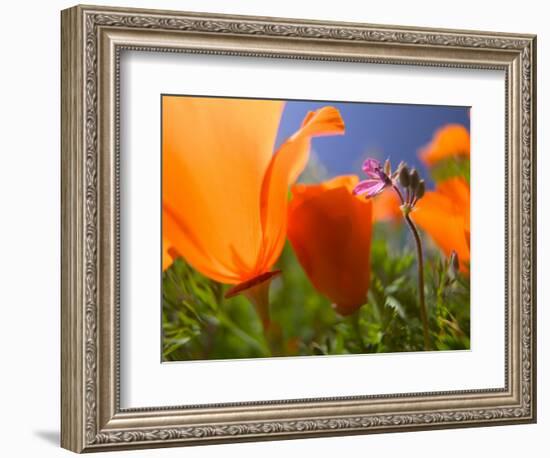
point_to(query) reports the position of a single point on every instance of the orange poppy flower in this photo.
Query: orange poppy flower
(452, 140)
(445, 215)
(330, 230)
(386, 207)
(224, 196)
(168, 254)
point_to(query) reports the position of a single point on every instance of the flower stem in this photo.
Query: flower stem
(398, 192)
(422, 302)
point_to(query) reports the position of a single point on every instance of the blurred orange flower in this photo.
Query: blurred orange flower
(386, 207)
(445, 215)
(168, 254)
(452, 140)
(330, 230)
(224, 196)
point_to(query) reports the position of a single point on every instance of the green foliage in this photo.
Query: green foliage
(451, 167)
(450, 317)
(198, 323)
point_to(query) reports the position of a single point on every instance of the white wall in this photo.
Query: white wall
(29, 245)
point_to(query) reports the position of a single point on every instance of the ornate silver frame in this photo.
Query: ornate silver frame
(92, 39)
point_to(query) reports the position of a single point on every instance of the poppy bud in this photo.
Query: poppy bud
(454, 265)
(454, 260)
(387, 167)
(330, 231)
(421, 189)
(414, 179)
(404, 178)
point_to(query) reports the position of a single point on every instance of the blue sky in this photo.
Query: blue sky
(375, 130)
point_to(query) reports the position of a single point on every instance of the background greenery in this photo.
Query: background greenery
(198, 323)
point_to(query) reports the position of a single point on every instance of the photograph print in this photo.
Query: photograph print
(311, 228)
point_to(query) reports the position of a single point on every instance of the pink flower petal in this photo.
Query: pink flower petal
(369, 187)
(372, 168)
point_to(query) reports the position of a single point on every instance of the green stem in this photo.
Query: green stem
(421, 299)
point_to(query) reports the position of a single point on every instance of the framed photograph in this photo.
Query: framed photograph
(279, 228)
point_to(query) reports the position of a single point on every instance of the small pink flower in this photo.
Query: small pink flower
(376, 182)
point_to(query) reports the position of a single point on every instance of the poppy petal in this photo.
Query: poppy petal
(330, 231)
(167, 258)
(215, 155)
(445, 215)
(387, 207)
(285, 167)
(451, 140)
(195, 251)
